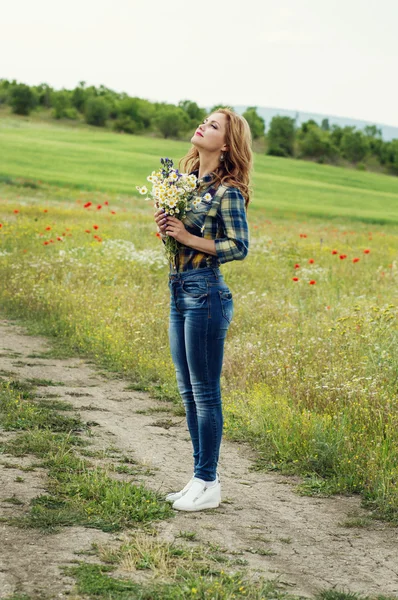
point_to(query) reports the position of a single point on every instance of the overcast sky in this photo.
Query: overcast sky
(338, 57)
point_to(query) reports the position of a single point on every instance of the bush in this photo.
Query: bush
(61, 104)
(171, 120)
(125, 124)
(256, 123)
(314, 142)
(22, 99)
(96, 111)
(354, 145)
(281, 136)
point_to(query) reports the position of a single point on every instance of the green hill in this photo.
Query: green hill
(96, 159)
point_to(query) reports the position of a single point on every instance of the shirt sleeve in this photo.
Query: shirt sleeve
(234, 245)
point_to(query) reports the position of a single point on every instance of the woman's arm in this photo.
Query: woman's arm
(176, 229)
(234, 245)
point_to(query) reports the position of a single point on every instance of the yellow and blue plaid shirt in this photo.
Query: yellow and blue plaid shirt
(222, 219)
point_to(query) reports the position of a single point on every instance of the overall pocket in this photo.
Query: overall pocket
(227, 304)
(195, 288)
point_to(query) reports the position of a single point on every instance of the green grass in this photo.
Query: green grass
(110, 162)
(78, 492)
(310, 371)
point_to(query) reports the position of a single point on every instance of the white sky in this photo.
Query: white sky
(337, 57)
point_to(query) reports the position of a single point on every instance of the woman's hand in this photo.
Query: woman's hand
(161, 220)
(176, 229)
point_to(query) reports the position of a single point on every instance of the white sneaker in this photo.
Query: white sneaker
(200, 497)
(177, 495)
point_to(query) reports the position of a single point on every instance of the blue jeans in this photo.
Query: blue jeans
(201, 310)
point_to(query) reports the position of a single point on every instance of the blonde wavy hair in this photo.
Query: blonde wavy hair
(235, 169)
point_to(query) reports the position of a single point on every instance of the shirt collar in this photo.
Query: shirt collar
(206, 179)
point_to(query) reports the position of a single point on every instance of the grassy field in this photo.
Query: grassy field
(311, 369)
(110, 162)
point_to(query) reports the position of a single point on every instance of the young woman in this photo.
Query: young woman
(201, 306)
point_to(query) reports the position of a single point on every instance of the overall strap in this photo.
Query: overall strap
(216, 200)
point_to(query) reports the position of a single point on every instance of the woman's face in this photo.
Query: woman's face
(210, 135)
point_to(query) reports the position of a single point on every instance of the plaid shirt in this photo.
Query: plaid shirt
(223, 221)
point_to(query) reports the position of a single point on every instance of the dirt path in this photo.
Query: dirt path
(309, 547)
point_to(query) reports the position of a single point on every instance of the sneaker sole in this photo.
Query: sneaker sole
(174, 498)
(201, 507)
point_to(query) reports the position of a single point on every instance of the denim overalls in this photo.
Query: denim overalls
(201, 309)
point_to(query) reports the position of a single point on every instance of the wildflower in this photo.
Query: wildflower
(296, 266)
(95, 226)
(16, 211)
(303, 235)
(87, 205)
(1, 225)
(87, 230)
(45, 243)
(343, 256)
(295, 278)
(311, 261)
(45, 210)
(113, 212)
(142, 190)
(59, 239)
(99, 206)
(312, 282)
(354, 260)
(106, 202)
(48, 228)
(334, 252)
(366, 251)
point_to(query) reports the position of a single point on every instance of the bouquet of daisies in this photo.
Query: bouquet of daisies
(174, 192)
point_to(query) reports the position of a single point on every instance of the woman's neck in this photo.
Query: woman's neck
(207, 164)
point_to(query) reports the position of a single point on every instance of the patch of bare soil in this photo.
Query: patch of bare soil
(298, 540)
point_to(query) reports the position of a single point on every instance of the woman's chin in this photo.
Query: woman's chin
(195, 139)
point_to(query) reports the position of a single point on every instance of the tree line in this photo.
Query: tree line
(103, 107)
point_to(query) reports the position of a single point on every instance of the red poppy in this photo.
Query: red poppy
(48, 228)
(99, 206)
(16, 210)
(51, 241)
(295, 278)
(297, 266)
(59, 239)
(366, 251)
(311, 261)
(45, 243)
(354, 260)
(303, 235)
(45, 210)
(328, 307)
(158, 235)
(87, 205)
(87, 230)
(1, 225)
(312, 282)
(106, 203)
(334, 252)
(95, 226)
(343, 256)
(113, 212)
